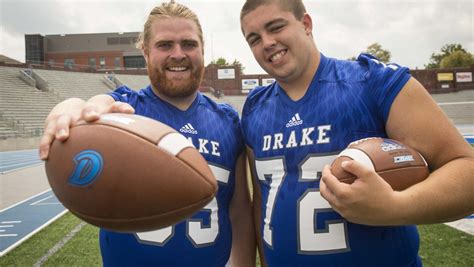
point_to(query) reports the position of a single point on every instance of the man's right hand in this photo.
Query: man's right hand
(67, 113)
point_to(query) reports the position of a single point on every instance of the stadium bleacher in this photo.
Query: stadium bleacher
(460, 113)
(237, 102)
(460, 96)
(74, 84)
(459, 106)
(24, 107)
(135, 82)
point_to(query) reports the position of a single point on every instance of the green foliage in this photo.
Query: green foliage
(220, 61)
(457, 59)
(224, 63)
(376, 50)
(446, 51)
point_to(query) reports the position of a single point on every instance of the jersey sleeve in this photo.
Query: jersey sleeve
(122, 94)
(384, 80)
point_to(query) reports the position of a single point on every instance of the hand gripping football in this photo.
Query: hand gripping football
(398, 164)
(129, 173)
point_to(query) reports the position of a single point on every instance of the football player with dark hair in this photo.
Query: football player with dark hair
(222, 232)
(295, 127)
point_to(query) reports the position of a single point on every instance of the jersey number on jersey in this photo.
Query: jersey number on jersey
(198, 235)
(310, 204)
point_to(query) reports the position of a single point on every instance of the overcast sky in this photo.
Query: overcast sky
(410, 30)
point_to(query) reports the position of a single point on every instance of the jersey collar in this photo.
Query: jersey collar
(149, 91)
(283, 96)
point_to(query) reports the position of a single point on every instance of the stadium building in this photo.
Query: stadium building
(83, 65)
(93, 51)
(116, 52)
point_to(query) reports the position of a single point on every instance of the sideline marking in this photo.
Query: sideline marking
(20, 168)
(8, 246)
(59, 245)
(37, 203)
(18, 203)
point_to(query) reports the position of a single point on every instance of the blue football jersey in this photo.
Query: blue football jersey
(293, 140)
(205, 238)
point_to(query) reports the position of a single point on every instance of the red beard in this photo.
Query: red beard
(172, 88)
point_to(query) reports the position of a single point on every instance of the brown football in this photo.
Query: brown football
(129, 173)
(398, 164)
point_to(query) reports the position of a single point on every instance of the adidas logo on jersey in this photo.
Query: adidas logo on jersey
(188, 128)
(295, 121)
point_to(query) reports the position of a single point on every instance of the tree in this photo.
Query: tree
(457, 59)
(239, 64)
(223, 63)
(376, 50)
(446, 50)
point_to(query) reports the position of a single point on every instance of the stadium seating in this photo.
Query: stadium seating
(237, 102)
(135, 82)
(459, 106)
(466, 95)
(24, 107)
(459, 113)
(74, 84)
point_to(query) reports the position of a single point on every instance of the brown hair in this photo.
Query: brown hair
(294, 6)
(167, 10)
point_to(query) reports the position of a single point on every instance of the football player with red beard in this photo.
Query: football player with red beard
(221, 232)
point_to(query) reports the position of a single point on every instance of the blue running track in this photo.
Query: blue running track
(14, 160)
(22, 220)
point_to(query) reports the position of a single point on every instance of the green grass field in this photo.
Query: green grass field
(441, 245)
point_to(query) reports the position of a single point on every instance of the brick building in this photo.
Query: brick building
(85, 51)
(100, 52)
